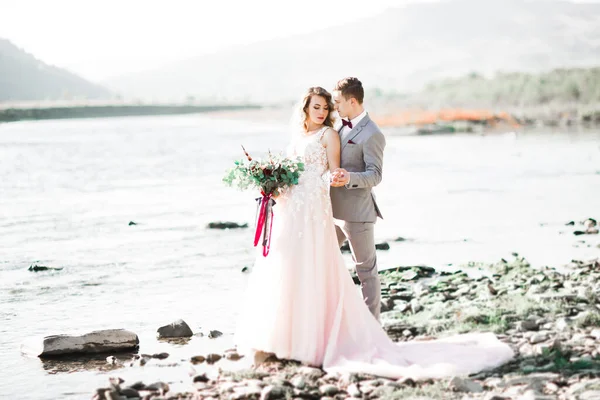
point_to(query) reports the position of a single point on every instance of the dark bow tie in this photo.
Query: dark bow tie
(346, 123)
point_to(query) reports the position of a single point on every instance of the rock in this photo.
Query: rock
(387, 304)
(213, 358)
(138, 361)
(382, 246)
(131, 223)
(539, 337)
(422, 271)
(354, 391)
(110, 394)
(528, 325)
(214, 334)
(562, 325)
(495, 396)
(299, 382)
(108, 340)
(158, 387)
(310, 372)
(464, 385)
(178, 328)
(389, 382)
(160, 356)
(248, 392)
(256, 382)
(112, 360)
(332, 377)
(261, 357)
(492, 382)
(201, 378)
(129, 393)
(138, 386)
(415, 306)
(383, 392)
(329, 390)
(492, 290)
(233, 356)
(275, 392)
(226, 225)
(551, 388)
(38, 268)
(100, 393)
(197, 359)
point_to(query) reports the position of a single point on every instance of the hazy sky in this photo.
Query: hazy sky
(100, 39)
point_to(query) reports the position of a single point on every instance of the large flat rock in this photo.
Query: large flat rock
(108, 340)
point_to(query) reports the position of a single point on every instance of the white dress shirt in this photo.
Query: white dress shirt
(346, 129)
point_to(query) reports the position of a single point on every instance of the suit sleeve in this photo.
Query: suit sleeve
(373, 156)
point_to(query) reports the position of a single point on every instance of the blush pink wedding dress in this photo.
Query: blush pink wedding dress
(302, 304)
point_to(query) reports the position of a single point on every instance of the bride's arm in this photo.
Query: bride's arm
(331, 141)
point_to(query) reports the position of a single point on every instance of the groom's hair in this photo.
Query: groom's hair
(351, 87)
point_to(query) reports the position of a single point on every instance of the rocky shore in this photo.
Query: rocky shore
(549, 316)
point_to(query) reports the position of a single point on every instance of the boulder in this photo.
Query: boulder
(175, 329)
(108, 340)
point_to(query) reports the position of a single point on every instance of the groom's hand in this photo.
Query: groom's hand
(340, 177)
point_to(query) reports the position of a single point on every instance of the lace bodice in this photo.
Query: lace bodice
(313, 184)
(312, 151)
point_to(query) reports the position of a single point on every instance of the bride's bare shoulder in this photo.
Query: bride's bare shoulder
(329, 136)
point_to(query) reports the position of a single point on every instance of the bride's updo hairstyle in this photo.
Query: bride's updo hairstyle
(317, 91)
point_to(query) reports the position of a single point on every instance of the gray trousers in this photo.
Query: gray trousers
(361, 236)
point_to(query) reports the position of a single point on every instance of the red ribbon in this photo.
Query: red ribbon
(266, 213)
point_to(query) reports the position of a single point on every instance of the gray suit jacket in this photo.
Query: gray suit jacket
(362, 156)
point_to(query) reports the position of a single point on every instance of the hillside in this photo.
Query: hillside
(400, 50)
(25, 78)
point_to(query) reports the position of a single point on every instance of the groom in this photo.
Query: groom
(354, 207)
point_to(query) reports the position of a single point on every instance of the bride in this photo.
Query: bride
(301, 302)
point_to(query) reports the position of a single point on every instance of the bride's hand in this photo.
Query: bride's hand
(339, 177)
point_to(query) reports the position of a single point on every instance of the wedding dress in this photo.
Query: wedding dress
(302, 304)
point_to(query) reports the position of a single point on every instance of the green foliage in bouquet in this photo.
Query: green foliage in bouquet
(269, 175)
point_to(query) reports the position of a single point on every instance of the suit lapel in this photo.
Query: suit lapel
(356, 130)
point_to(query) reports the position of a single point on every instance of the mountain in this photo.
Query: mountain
(398, 51)
(25, 78)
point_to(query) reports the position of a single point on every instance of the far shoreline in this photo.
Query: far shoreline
(409, 120)
(35, 112)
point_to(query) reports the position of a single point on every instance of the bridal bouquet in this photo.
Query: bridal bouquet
(270, 176)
